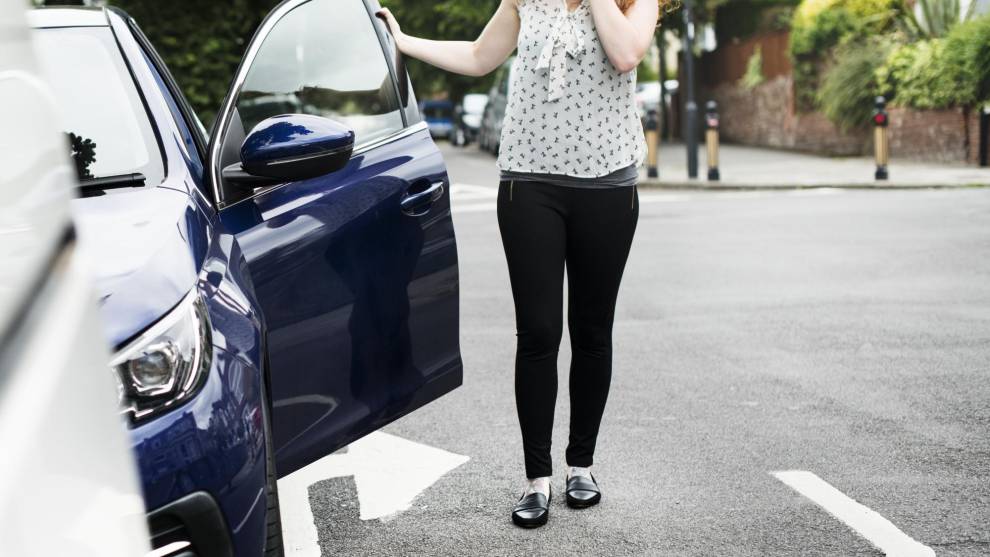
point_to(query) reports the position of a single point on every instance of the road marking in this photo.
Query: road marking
(389, 472)
(170, 549)
(865, 521)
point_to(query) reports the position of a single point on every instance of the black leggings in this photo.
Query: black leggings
(543, 227)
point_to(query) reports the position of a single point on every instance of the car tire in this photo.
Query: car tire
(273, 518)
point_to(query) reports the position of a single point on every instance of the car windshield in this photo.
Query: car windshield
(100, 109)
(437, 111)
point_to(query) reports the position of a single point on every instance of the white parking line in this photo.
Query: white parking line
(866, 522)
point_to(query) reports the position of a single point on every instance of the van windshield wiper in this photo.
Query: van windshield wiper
(94, 186)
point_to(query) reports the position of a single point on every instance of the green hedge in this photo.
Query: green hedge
(850, 85)
(819, 26)
(940, 73)
(909, 75)
(966, 61)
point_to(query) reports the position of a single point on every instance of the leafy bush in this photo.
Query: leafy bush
(935, 18)
(875, 16)
(940, 73)
(813, 35)
(849, 86)
(910, 75)
(966, 61)
(819, 26)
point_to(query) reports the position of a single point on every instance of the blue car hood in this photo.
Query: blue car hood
(144, 249)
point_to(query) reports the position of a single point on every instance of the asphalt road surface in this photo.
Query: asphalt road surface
(841, 333)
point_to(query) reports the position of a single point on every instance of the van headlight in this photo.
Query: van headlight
(166, 364)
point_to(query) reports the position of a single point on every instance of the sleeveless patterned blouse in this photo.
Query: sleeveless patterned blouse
(569, 112)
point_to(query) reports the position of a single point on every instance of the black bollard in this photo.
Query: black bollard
(881, 147)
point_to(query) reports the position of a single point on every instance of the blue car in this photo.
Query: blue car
(439, 117)
(274, 289)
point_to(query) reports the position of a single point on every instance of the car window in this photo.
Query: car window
(323, 58)
(102, 114)
(437, 111)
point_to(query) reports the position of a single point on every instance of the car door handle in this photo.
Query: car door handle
(418, 204)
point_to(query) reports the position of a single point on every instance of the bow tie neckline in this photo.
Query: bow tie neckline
(566, 38)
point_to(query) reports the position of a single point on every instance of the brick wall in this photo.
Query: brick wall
(765, 116)
(931, 135)
(973, 129)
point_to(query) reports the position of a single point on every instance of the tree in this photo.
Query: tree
(456, 20)
(201, 42)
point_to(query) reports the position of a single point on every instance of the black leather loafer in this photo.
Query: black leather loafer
(582, 492)
(532, 511)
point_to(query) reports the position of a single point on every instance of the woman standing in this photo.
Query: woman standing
(571, 146)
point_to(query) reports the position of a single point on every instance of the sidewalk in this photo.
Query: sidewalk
(744, 167)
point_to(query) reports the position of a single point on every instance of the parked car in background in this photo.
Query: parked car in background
(69, 484)
(490, 133)
(439, 116)
(468, 116)
(273, 291)
(648, 95)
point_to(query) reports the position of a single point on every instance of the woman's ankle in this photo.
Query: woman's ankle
(574, 471)
(538, 485)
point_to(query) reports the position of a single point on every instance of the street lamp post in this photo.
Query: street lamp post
(690, 106)
(664, 115)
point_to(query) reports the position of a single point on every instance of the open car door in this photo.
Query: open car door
(339, 201)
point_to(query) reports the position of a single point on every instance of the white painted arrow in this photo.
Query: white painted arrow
(389, 472)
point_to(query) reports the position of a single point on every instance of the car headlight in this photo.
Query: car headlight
(166, 364)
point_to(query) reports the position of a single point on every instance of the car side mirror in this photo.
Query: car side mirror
(291, 147)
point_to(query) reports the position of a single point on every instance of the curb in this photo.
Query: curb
(734, 186)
